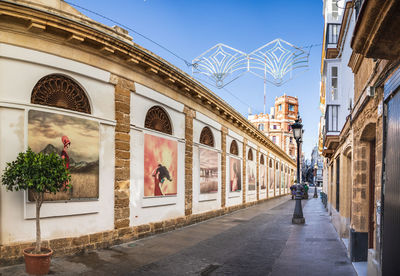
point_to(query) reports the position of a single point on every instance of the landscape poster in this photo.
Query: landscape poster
(235, 175)
(208, 171)
(74, 139)
(263, 177)
(160, 166)
(251, 175)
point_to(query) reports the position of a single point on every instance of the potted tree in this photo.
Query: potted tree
(40, 173)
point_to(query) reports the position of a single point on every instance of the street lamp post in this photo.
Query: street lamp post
(297, 128)
(315, 181)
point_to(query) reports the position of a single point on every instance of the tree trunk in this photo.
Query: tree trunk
(39, 200)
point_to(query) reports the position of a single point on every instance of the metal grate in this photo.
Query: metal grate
(206, 137)
(60, 91)
(157, 119)
(234, 148)
(250, 155)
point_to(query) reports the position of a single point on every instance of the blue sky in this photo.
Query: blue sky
(190, 27)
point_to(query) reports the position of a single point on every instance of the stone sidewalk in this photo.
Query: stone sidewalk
(259, 240)
(314, 248)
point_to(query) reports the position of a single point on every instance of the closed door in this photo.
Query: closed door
(391, 218)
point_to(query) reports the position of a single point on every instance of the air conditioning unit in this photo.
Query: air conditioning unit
(370, 91)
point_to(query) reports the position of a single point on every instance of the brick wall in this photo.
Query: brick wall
(224, 132)
(189, 115)
(258, 173)
(123, 90)
(244, 180)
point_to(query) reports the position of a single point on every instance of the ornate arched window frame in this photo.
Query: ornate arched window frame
(250, 155)
(234, 148)
(157, 118)
(61, 91)
(207, 137)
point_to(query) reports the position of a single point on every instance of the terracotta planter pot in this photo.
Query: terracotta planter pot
(37, 264)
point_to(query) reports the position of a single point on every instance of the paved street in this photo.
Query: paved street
(256, 241)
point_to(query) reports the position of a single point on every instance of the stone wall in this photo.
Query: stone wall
(125, 68)
(123, 90)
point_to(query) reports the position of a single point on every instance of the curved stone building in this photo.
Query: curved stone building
(151, 149)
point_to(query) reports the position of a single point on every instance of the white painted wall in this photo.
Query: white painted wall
(271, 176)
(345, 77)
(59, 219)
(263, 192)
(155, 208)
(233, 198)
(205, 202)
(250, 195)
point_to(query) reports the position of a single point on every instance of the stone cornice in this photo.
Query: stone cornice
(111, 45)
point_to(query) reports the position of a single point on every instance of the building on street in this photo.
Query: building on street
(151, 149)
(317, 164)
(359, 134)
(276, 125)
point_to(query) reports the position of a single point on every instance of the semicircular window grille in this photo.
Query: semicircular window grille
(60, 91)
(158, 119)
(234, 148)
(206, 137)
(250, 155)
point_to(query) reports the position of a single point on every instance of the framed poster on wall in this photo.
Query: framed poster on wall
(235, 176)
(208, 171)
(160, 166)
(77, 141)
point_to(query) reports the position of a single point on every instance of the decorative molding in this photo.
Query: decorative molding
(157, 119)
(206, 137)
(234, 149)
(60, 91)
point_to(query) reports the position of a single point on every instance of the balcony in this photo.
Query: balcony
(331, 130)
(332, 119)
(331, 40)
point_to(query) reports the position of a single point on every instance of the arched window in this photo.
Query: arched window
(250, 155)
(206, 137)
(262, 159)
(282, 168)
(158, 119)
(234, 148)
(277, 166)
(270, 163)
(60, 91)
